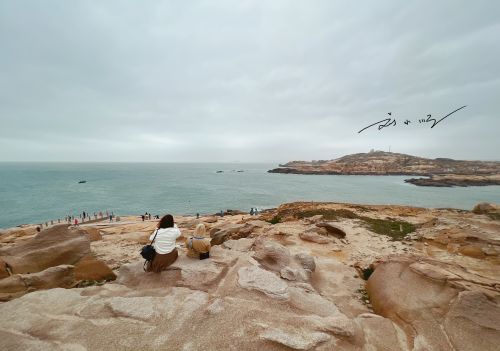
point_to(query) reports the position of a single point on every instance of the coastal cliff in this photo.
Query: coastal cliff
(303, 276)
(441, 171)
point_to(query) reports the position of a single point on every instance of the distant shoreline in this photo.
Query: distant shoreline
(440, 172)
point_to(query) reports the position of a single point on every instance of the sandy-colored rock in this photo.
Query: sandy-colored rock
(271, 255)
(51, 247)
(89, 268)
(20, 284)
(211, 219)
(338, 324)
(381, 333)
(93, 233)
(4, 273)
(484, 208)
(434, 300)
(473, 314)
(244, 244)
(185, 272)
(332, 229)
(230, 231)
(314, 237)
(289, 273)
(255, 278)
(472, 251)
(293, 340)
(311, 302)
(423, 296)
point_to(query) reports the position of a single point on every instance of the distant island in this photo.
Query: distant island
(441, 172)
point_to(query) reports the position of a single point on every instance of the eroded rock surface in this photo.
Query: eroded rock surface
(265, 288)
(55, 257)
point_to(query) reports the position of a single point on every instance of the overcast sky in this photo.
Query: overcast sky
(268, 81)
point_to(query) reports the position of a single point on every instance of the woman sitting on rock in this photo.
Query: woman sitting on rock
(198, 245)
(164, 244)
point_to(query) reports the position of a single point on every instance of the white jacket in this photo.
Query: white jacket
(165, 239)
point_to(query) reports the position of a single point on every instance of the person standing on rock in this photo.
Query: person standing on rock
(164, 244)
(198, 245)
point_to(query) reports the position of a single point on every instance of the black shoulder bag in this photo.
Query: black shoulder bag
(148, 251)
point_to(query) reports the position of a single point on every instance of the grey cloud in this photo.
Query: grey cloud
(249, 81)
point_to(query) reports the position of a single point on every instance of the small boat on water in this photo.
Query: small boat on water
(82, 182)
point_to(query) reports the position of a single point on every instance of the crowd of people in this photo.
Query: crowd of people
(87, 217)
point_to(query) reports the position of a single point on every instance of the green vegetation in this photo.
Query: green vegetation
(395, 229)
(85, 283)
(494, 216)
(276, 219)
(364, 295)
(328, 214)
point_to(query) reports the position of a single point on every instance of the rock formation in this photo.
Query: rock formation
(439, 306)
(56, 257)
(442, 171)
(265, 287)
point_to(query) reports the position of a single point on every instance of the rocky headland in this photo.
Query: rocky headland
(438, 172)
(303, 276)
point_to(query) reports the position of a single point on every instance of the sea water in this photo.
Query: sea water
(39, 192)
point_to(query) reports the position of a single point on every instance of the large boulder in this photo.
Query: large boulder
(51, 247)
(20, 284)
(56, 247)
(90, 268)
(440, 306)
(230, 231)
